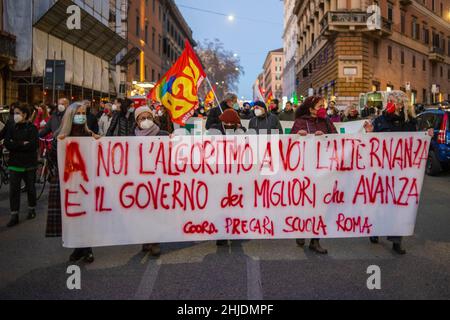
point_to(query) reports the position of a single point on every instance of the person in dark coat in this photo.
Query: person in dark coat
(230, 102)
(274, 107)
(288, 113)
(264, 121)
(246, 112)
(55, 119)
(146, 127)
(398, 116)
(21, 140)
(230, 123)
(312, 119)
(164, 121)
(123, 122)
(74, 124)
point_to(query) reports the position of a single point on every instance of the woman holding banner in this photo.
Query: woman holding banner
(74, 124)
(311, 118)
(398, 116)
(146, 127)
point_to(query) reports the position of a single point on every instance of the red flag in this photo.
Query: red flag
(178, 88)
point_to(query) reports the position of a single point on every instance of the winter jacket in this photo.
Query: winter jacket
(92, 123)
(122, 125)
(394, 123)
(246, 114)
(103, 124)
(269, 122)
(214, 114)
(312, 125)
(22, 155)
(52, 125)
(287, 115)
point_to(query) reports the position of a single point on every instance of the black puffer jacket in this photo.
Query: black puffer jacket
(214, 114)
(122, 125)
(20, 154)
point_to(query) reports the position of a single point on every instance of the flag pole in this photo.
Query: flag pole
(215, 96)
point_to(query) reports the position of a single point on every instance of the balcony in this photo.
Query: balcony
(436, 54)
(7, 47)
(336, 21)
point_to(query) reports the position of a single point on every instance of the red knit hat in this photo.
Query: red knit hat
(230, 116)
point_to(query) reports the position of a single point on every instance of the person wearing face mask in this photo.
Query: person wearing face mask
(229, 102)
(398, 116)
(264, 121)
(105, 120)
(351, 114)
(55, 120)
(123, 122)
(311, 118)
(246, 112)
(164, 121)
(146, 127)
(333, 112)
(74, 124)
(288, 113)
(21, 140)
(274, 107)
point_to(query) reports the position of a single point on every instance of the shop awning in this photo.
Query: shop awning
(93, 37)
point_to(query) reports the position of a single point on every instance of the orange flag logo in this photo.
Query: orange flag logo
(178, 88)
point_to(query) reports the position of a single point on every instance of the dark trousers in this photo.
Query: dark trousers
(15, 179)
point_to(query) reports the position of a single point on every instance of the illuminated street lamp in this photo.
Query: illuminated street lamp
(231, 18)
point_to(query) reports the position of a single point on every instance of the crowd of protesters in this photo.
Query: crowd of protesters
(121, 118)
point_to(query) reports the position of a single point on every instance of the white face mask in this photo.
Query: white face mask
(18, 118)
(61, 108)
(147, 124)
(258, 112)
(114, 107)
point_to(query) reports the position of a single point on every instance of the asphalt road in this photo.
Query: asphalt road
(33, 267)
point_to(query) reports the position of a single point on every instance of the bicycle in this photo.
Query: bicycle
(4, 174)
(43, 171)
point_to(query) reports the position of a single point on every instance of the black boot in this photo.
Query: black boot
(14, 221)
(397, 247)
(300, 242)
(31, 214)
(221, 243)
(374, 240)
(88, 255)
(314, 245)
(76, 255)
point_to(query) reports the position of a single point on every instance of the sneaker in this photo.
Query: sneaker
(14, 221)
(31, 214)
(88, 256)
(397, 247)
(300, 242)
(374, 240)
(155, 250)
(315, 246)
(76, 255)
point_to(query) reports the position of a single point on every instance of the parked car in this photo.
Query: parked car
(439, 156)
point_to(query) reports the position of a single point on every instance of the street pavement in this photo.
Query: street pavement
(33, 267)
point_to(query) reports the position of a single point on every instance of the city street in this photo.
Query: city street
(34, 267)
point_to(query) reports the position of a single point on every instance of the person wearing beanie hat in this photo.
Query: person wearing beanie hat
(230, 123)
(264, 120)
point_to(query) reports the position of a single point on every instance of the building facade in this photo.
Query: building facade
(156, 34)
(290, 36)
(344, 50)
(273, 70)
(89, 51)
(7, 60)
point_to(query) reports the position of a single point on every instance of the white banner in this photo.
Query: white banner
(350, 127)
(118, 191)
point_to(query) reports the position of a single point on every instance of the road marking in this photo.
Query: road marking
(149, 277)
(254, 286)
